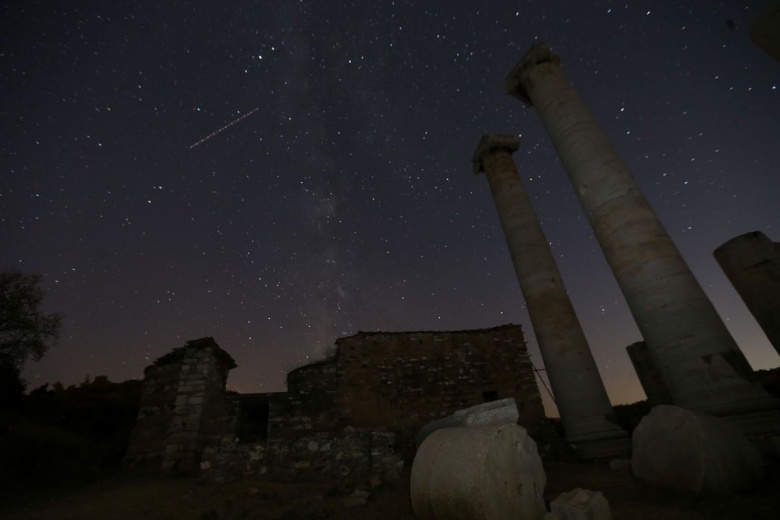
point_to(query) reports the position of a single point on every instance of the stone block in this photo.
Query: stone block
(692, 451)
(489, 472)
(581, 504)
(502, 411)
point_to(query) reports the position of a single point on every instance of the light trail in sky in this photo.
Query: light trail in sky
(219, 130)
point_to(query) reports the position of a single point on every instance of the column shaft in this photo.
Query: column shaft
(752, 264)
(699, 361)
(582, 400)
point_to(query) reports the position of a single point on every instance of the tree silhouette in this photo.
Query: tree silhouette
(25, 331)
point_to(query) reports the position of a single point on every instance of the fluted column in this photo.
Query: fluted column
(698, 359)
(586, 413)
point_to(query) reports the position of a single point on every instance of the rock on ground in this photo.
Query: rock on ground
(691, 451)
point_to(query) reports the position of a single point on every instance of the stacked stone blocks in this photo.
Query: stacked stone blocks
(184, 407)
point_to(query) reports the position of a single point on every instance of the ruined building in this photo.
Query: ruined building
(405, 380)
(378, 386)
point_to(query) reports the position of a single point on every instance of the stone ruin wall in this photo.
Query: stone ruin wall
(150, 434)
(203, 413)
(354, 414)
(350, 455)
(403, 381)
(407, 380)
(310, 403)
(184, 407)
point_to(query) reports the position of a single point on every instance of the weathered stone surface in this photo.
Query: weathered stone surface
(404, 380)
(478, 473)
(183, 407)
(752, 264)
(581, 504)
(690, 345)
(574, 377)
(503, 411)
(692, 451)
(361, 455)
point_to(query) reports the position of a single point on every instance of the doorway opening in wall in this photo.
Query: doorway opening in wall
(490, 395)
(253, 423)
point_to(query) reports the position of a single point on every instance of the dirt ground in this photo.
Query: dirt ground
(185, 498)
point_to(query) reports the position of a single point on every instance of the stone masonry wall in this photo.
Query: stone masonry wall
(348, 456)
(183, 408)
(342, 416)
(405, 380)
(150, 434)
(309, 404)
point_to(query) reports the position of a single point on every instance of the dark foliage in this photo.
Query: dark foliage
(59, 437)
(25, 331)
(12, 386)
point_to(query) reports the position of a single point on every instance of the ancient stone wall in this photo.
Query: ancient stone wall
(309, 404)
(405, 380)
(183, 408)
(384, 385)
(348, 455)
(150, 434)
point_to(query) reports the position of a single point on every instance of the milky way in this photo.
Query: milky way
(346, 202)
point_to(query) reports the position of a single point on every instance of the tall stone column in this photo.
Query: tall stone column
(752, 264)
(687, 341)
(586, 414)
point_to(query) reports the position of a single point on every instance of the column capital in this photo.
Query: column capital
(490, 143)
(538, 53)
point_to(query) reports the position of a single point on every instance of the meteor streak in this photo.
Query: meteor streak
(219, 130)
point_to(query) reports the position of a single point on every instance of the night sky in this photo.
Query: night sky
(344, 199)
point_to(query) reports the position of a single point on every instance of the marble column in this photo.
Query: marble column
(586, 413)
(752, 264)
(687, 341)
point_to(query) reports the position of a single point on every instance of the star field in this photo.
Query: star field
(333, 190)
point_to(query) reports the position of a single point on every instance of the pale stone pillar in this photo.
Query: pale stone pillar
(586, 414)
(752, 264)
(687, 341)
